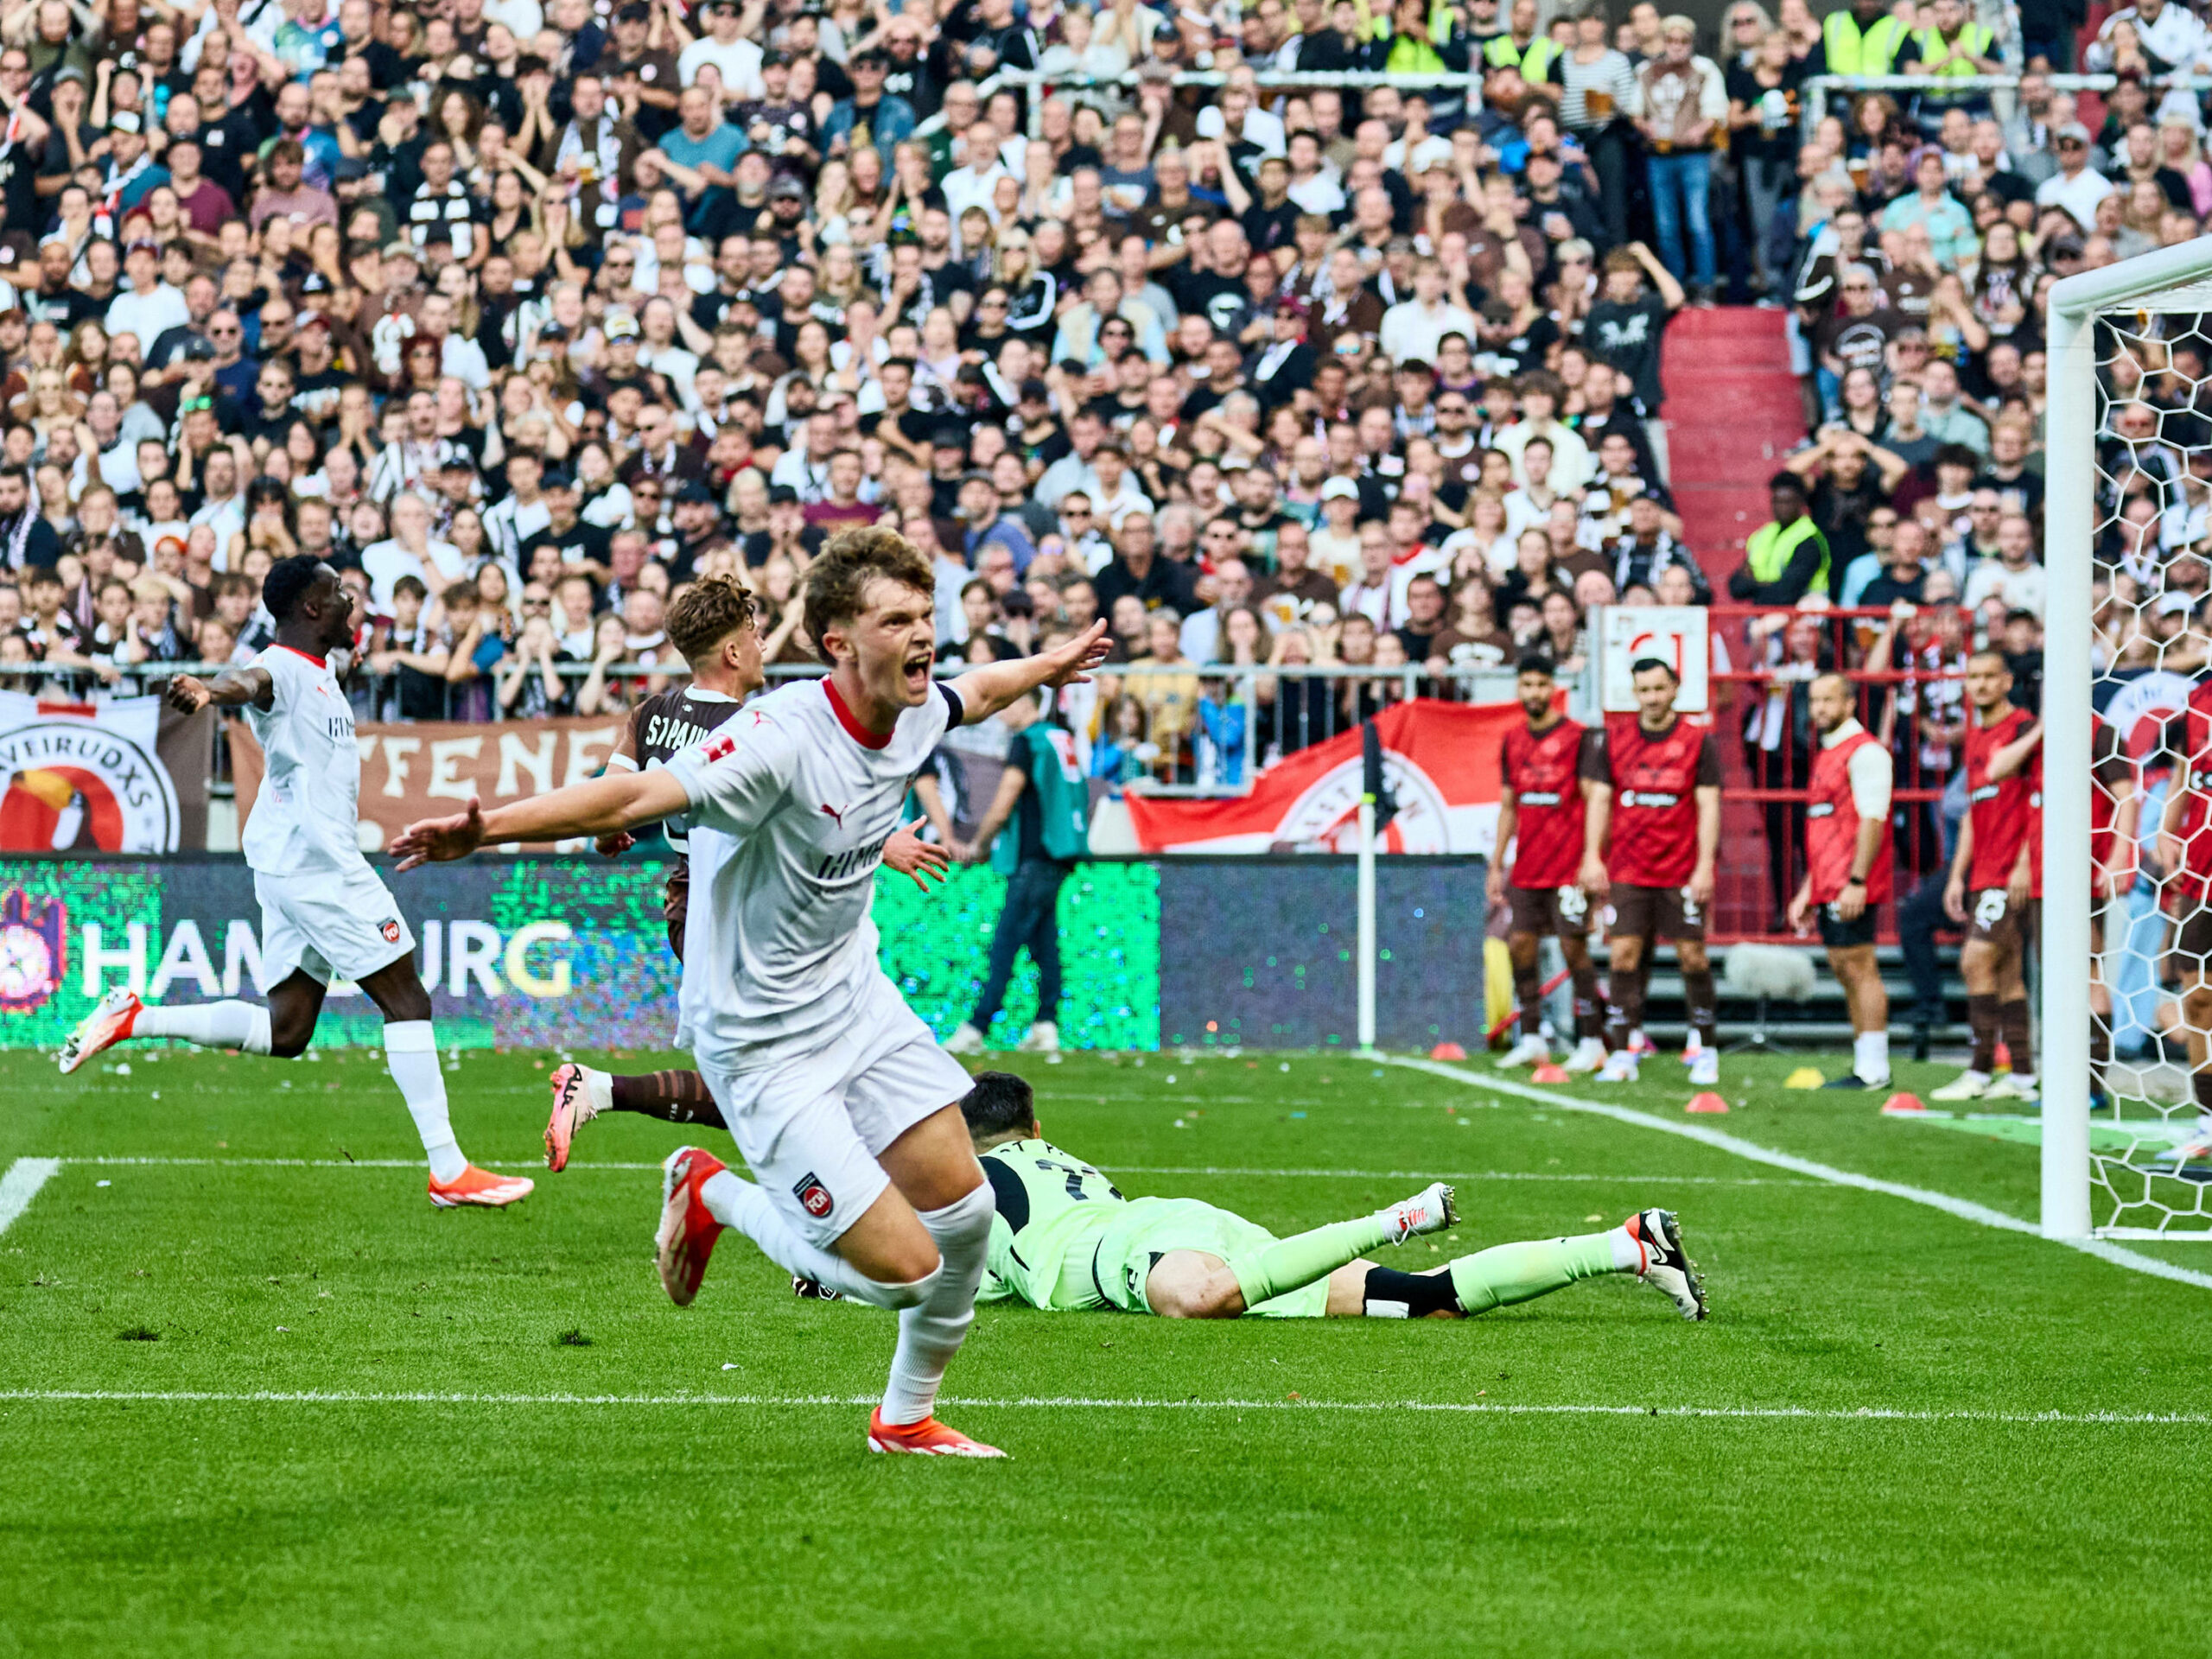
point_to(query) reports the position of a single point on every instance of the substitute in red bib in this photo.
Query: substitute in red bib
(1993, 889)
(1848, 870)
(1539, 857)
(1656, 786)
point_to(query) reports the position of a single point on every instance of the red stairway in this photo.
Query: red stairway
(1732, 413)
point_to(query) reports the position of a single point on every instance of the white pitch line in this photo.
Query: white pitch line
(1965, 1209)
(1080, 1402)
(20, 1185)
(1125, 1169)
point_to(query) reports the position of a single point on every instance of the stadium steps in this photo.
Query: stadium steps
(1732, 413)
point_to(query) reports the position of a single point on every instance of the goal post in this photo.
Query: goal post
(2103, 327)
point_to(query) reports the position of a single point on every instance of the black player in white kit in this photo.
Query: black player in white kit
(324, 912)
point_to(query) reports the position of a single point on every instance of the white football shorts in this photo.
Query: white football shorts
(334, 926)
(811, 1121)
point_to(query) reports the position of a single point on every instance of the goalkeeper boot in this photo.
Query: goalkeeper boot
(1667, 1266)
(1529, 1051)
(1705, 1070)
(685, 1238)
(813, 1290)
(2012, 1086)
(2197, 1148)
(1430, 1210)
(1969, 1085)
(1619, 1067)
(1589, 1054)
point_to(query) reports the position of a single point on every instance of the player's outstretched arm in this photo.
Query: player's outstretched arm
(234, 687)
(603, 806)
(983, 691)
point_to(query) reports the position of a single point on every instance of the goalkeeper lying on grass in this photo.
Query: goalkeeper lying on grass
(1065, 1239)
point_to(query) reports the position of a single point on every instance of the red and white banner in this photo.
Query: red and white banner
(1440, 759)
(123, 775)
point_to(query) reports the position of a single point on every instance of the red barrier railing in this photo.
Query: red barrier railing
(1909, 669)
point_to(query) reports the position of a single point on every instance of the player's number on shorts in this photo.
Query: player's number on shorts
(1574, 905)
(1076, 1174)
(1989, 909)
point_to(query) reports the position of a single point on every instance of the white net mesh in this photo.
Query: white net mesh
(2151, 980)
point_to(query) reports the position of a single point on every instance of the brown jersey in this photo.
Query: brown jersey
(661, 726)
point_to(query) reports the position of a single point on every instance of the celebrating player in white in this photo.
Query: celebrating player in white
(323, 910)
(838, 1095)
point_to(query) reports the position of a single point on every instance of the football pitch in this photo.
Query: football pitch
(257, 1396)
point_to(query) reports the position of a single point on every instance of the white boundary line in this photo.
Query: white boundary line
(20, 1185)
(1078, 1402)
(1965, 1209)
(1125, 1169)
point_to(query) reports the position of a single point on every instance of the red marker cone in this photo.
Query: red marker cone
(1548, 1074)
(1447, 1051)
(1707, 1101)
(1902, 1105)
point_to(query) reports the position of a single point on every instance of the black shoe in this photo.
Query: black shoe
(1848, 1080)
(1923, 1039)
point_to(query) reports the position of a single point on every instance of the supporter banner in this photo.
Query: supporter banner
(430, 768)
(1440, 760)
(125, 775)
(539, 953)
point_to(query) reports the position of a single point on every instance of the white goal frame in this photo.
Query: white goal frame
(2175, 279)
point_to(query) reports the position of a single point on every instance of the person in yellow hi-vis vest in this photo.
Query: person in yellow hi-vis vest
(1865, 39)
(1954, 48)
(1787, 559)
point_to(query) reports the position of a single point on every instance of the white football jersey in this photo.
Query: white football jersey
(306, 818)
(791, 802)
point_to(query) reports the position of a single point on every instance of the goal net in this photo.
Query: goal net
(2127, 966)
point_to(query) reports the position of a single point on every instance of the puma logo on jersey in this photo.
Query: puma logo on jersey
(837, 812)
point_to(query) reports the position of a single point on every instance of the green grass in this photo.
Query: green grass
(667, 1523)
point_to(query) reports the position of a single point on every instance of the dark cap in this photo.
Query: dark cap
(775, 58)
(693, 490)
(948, 435)
(348, 168)
(787, 188)
(557, 479)
(634, 13)
(782, 495)
(1035, 391)
(874, 58)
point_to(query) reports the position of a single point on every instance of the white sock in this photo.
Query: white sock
(1870, 1056)
(931, 1334)
(1628, 1255)
(742, 1204)
(410, 1053)
(599, 1088)
(241, 1026)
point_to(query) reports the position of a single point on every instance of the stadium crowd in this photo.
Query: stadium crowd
(526, 317)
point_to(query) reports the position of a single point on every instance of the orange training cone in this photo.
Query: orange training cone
(1447, 1051)
(1902, 1105)
(1707, 1101)
(1548, 1074)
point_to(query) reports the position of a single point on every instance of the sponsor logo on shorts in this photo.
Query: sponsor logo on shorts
(390, 929)
(813, 1197)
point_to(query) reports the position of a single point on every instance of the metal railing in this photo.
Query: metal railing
(1469, 85)
(1816, 90)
